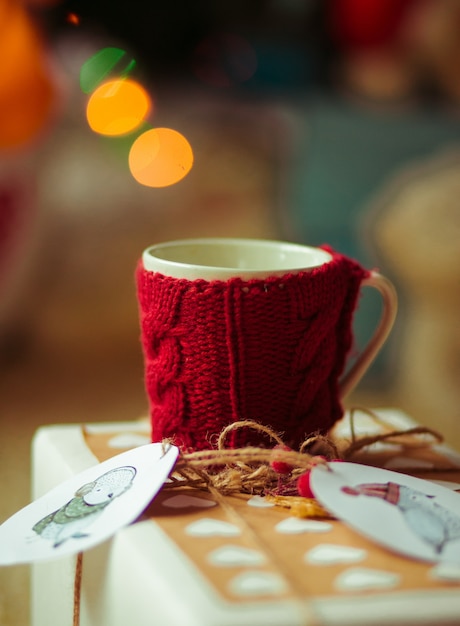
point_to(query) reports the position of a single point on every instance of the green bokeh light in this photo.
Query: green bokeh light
(102, 65)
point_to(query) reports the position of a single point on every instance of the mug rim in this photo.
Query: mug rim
(195, 271)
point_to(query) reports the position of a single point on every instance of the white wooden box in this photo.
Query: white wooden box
(158, 572)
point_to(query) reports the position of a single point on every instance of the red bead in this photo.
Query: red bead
(281, 467)
(303, 482)
(303, 485)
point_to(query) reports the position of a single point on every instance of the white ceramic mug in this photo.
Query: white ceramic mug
(202, 267)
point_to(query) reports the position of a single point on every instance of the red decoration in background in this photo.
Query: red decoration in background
(17, 225)
(197, 385)
(10, 213)
(362, 24)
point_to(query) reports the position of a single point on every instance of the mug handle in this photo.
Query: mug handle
(390, 307)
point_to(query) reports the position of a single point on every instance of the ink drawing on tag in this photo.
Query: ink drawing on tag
(88, 503)
(430, 521)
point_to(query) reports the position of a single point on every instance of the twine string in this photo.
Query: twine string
(77, 589)
(321, 445)
(260, 428)
(391, 436)
(388, 436)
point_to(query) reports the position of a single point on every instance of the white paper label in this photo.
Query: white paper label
(88, 508)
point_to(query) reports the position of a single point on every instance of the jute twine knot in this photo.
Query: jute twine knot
(251, 469)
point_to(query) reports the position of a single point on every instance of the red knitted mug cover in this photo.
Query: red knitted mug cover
(266, 350)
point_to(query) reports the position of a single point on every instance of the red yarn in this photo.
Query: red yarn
(267, 350)
(280, 467)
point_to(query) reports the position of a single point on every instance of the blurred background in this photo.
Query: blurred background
(319, 121)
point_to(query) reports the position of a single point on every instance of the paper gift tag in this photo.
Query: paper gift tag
(88, 508)
(408, 515)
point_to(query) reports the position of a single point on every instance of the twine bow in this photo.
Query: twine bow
(252, 469)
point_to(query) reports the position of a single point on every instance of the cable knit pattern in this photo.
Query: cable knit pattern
(268, 350)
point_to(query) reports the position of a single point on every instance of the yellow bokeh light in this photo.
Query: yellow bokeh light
(160, 157)
(118, 107)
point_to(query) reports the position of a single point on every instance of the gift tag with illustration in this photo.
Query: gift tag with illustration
(408, 515)
(88, 508)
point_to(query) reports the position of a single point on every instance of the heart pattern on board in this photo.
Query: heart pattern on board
(363, 578)
(208, 527)
(183, 502)
(257, 583)
(330, 554)
(296, 526)
(260, 502)
(234, 556)
(128, 441)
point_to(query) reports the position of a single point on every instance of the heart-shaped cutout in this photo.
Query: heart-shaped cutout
(402, 462)
(184, 502)
(362, 578)
(257, 583)
(384, 446)
(446, 483)
(296, 526)
(234, 556)
(446, 571)
(330, 554)
(452, 455)
(128, 441)
(208, 527)
(260, 502)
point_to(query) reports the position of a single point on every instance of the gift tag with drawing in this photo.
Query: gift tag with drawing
(408, 515)
(88, 508)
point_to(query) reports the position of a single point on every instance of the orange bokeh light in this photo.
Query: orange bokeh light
(27, 92)
(118, 107)
(160, 157)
